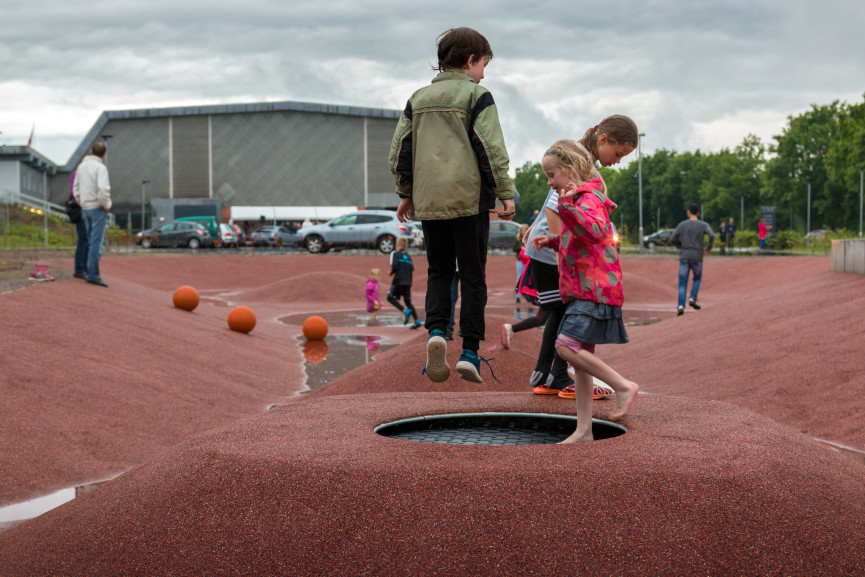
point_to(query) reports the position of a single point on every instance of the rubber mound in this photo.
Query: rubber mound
(694, 487)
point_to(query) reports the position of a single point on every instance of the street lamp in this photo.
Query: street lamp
(860, 199)
(143, 194)
(808, 217)
(640, 186)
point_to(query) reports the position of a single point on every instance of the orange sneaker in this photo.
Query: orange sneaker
(545, 390)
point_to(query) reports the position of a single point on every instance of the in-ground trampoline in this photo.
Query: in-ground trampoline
(494, 429)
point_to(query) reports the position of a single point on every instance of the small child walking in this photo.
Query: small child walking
(402, 271)
(450, 164)
(373, 296)
(590, 279)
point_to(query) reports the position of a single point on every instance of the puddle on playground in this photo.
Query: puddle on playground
(349, 319)
(326, 360)
(13, 514)
(631, 317)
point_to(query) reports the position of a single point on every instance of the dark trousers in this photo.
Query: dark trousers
(455, 294)
(403, 291)
(81, 247)
(464, 241)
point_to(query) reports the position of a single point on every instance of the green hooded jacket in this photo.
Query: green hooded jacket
(448, 151)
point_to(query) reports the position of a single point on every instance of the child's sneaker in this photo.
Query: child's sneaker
(507, 333)
(406, 315)
(436, 367)
(417, 324)
(545, 389)
(469, 367)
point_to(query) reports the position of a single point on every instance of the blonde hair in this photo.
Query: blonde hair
(522, 231)
(402, 242)
(375, 272)
(618, 128)
(575, 161)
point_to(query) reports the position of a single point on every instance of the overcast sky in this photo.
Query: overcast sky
(692, 74)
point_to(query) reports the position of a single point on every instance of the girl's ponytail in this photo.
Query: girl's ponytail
(619, 130)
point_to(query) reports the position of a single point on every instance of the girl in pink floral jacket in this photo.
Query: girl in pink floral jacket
(590, 278)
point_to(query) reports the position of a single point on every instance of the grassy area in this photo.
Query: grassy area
(26, 230)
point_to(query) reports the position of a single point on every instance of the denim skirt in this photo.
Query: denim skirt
(592, 322)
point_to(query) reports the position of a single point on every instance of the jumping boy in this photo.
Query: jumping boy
(402, 271)
(449, 162)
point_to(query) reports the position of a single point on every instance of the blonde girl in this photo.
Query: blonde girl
(590, 275)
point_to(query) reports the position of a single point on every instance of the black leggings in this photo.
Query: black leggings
(398, 290)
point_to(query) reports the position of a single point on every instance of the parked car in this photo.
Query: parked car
(818, 234)
(363, 229)
(659, 238)
(503, 233)
(274, 236)
(175, 234)
(209, 222)
(228, 234)
(417, 238)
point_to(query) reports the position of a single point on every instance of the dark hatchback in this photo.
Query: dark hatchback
(176, 234)
(274, 236)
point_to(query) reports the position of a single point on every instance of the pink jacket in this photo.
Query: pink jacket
(372, 292)
(589, 267)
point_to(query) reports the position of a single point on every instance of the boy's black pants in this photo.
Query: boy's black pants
(403, 291)
(459, 241)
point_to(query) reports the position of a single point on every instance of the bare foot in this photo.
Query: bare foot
(575, 438)
(624, 398)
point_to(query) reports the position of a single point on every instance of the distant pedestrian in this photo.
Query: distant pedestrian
(532, 218)
(762, 227)
(731, 234)
(402, 271)
(92, 192)
(722, 237)
(688, 236)
(373, 296)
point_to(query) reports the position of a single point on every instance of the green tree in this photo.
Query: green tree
(800, 152)
(845, 157)
(531, 182)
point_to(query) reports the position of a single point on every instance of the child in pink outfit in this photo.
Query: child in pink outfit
(373, 298)
(590, 279)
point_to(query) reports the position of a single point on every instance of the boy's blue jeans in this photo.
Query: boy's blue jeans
(686, 266)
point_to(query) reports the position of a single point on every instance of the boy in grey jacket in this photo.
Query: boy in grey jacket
(688, 236)
(450, 164)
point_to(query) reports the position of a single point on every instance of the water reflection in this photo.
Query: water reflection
(35, 507)
(338, 354)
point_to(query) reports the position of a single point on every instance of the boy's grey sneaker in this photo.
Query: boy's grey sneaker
(469, 367)
(693, 303)
(680, 311)
(436, 367)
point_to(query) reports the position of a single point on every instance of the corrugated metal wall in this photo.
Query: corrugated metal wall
(190, 156)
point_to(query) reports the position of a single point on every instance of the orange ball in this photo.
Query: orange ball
(315, 328)
(186, 298)
(241, 319)
(315, 351)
